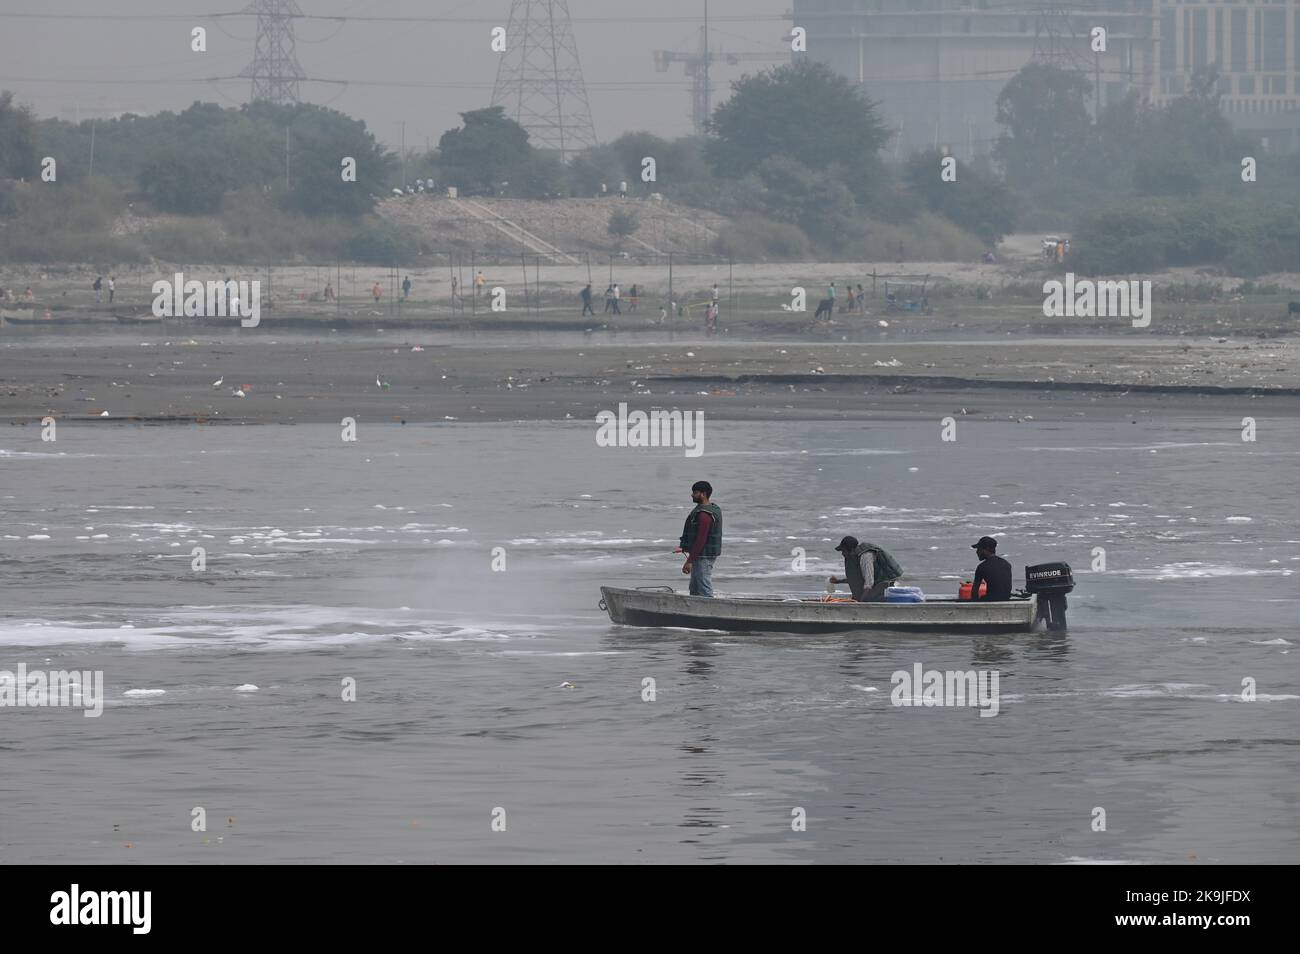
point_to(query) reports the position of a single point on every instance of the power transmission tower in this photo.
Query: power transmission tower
(1057, 41)
(539, 78)
(274, 71)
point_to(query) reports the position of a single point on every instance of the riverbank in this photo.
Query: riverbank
(252, 377)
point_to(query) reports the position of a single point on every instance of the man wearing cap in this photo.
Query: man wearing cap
(993, 571)
(868, 570)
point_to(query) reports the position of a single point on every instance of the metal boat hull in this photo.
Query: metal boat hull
(659, 607)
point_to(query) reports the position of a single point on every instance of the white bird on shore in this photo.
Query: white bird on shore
(383, 385)
(217, 383)
(238, 392)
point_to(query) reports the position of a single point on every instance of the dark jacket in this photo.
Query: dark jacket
(996, 572)
(712, 546)
(884, 568)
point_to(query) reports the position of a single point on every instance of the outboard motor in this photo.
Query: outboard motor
(1051, 581)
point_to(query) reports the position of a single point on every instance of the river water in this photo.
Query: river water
(489, 685)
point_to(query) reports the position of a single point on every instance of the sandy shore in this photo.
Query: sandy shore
(430, 376)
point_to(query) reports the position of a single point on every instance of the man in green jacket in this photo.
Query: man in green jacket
(868, 569)
(701, 539)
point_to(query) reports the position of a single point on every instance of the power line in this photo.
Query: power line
(344, 18)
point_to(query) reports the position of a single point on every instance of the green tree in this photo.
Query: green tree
(1044, 112)
(319, 140)
(489, 149)
(190, 184)
(622, 223)
(803, 111)
(17, 139)
(977, 201)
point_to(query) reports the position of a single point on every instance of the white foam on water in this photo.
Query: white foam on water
(1196, 571)
(246, 687)
(261, 628)
(539, 652)
(1271, 642)
(1078, 860)
(1171, 690)
(846, 452)
(134, 693)
(585, 541)
(15, 453)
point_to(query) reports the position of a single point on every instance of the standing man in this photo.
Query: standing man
(701, 539)
(868, 569)
(112, 287)
(98, 286)
(586, 302)
(993, 571)
(618, 297)
(830, 293)
(406, 288)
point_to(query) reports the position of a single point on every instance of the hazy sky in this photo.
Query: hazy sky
(143, 65)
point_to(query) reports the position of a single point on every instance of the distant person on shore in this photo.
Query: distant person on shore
(853, 301)
(603, 190)
(479, 281)
(28, 295)
(112, 288)
(701, 539)
(609, 298)
(99, 288)
(618, 298)
(830, 295)
(717, 295)
(993, 571)
(868, 570)
(406, 288)
(376, 292)
(663, 314)
(633, 298)
(622, 189)
(586, 302)
(329, 292)
(862, 299)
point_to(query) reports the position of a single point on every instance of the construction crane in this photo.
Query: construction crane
(697, 68)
